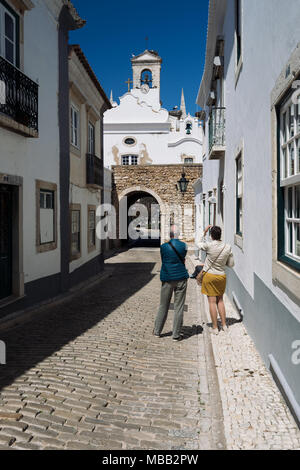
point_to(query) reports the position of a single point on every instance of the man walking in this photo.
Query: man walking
(174, 277)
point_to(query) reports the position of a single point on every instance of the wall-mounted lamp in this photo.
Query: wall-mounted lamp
(182, 184)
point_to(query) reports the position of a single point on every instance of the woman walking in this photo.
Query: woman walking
(218, 255)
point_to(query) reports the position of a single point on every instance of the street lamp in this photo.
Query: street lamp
(183, 183)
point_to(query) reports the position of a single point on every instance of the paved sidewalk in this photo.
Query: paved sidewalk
(255, 414)
(87, 373)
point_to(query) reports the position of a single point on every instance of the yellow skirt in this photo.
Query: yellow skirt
(213, 285)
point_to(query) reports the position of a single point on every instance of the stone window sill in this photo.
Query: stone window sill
(239, 241)
(287, 279)
(16, 127)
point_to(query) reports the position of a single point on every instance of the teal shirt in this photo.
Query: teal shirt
(172, 268)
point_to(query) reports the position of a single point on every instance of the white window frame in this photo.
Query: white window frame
(188, 158)
(239, 195)
(75, 131)
(238, 61)
(133, 160)
(47, 189)
(3, 38)
(91, 138)
(290, 172)
(287, 142)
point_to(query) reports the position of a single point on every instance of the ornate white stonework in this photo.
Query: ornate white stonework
(160, 136)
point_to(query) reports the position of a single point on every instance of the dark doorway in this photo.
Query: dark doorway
(6, 208)
(149, 226)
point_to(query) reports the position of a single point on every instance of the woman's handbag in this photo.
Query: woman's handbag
(201, 275)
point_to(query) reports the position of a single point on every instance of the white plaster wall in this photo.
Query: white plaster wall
(37, 158)
(266, 50)
(156, 145)
(151, 129)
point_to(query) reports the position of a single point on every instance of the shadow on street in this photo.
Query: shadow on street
(57, 324)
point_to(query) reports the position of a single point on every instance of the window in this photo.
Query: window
(211, 210)
(9, 34)
(188, 128)
(46, 225)
(188, 160)
(46, 216)
(130, 141)
(129, 159)
(238, 30)
(91, 139)
(289, 191)
(75, 233)
(74, 126)
(91, 228)
(239, 195)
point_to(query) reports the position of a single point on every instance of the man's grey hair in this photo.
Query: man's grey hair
(174, 232)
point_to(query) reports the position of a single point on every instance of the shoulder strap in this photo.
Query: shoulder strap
(178, 254)
(216, 258)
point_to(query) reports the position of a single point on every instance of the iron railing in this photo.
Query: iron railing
(21, 95)
(217, 128)
(94, 170)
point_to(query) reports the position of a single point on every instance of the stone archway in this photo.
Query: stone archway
(161, 182)
(128, 197)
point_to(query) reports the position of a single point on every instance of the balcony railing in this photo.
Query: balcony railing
(20, 96)
(94, 170)
(217, 139)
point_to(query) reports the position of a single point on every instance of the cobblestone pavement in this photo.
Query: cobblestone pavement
(255, 414)
(86, 372)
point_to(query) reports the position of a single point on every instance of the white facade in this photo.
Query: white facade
(36, 159)
(156, 136)
(89, 101)
(258, 67)
(30, 150)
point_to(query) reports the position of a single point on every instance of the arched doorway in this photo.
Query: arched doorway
(143, 217)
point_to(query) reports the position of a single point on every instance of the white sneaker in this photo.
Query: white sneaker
(225, 329)
(215, 331)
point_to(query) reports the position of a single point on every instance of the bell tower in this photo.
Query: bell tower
(146, 77)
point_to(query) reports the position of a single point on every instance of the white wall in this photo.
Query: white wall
(266, 50)
(37, 158)
(151, 130)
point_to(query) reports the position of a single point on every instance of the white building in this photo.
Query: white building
(251, 168)
(33, 87)
(139, 131)
(87, 105)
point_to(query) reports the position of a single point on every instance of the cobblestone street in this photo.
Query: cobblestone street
(86, 372)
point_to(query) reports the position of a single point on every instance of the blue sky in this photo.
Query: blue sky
(117, 29)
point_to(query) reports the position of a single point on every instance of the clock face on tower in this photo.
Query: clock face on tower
(144, 88)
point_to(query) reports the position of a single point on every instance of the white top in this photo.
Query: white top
(213, 249)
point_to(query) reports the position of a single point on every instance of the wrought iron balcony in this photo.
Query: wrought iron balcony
(19, 97)
(217, 141)
(94, 171)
